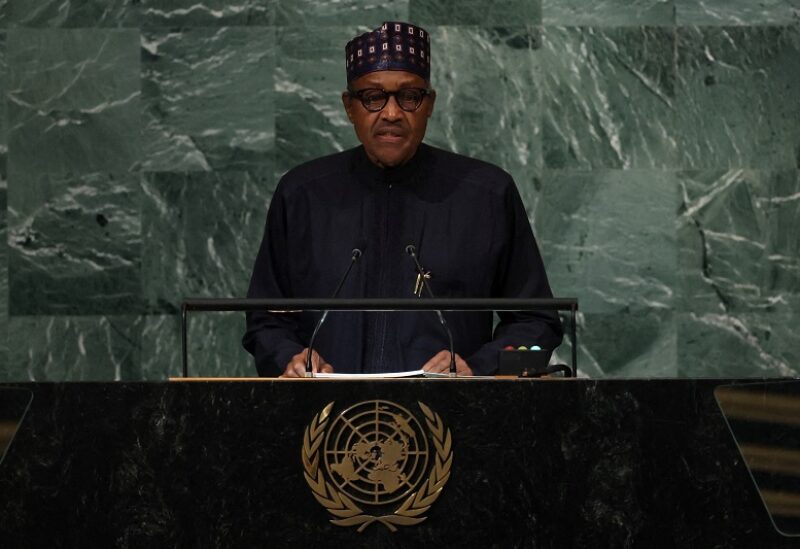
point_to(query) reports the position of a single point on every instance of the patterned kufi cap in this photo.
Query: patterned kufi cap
(391, 47)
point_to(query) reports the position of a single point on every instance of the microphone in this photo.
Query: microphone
(412, 251)
(354, 257)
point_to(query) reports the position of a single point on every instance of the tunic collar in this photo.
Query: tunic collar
(407, 174)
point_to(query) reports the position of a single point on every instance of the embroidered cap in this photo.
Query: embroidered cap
(394, 46)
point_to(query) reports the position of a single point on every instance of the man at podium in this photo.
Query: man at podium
(463, 219)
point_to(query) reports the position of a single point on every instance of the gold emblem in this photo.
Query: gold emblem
(373, 463)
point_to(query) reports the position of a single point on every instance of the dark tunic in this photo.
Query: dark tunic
(469, 226)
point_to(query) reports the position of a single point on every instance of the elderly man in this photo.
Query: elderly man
(463, 216)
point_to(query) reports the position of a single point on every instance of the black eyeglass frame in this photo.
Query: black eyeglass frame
(359, 94)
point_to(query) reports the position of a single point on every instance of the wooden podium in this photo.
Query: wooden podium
(566, 463)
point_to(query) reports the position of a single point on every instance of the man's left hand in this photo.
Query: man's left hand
(440, 364)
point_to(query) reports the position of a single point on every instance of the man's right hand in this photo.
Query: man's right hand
(297, 365)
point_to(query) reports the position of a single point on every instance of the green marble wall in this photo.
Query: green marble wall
(656, 144)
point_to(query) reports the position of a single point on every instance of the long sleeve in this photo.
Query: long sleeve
(521, 274)
(272, 338)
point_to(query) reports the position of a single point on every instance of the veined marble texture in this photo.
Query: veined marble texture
(74, 94)
(608, 12)
(737, 12)
(207, 96)
(738, 278)
(488, 13)
(113, 348)
(3, 204)
(313, 13)
(309, 80)
(200, 235)
(69, 348)
(739, 250)
(75, 244)
(3, 117)
(3, 274)
(206, 13)
(140, 144)
(716, 344)
(494, 113)
(737, 100)
(608, 237)
(608, 97)
(72, 13)
(214, 346)
(627, 344)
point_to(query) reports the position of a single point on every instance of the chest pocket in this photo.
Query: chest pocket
(462, 265)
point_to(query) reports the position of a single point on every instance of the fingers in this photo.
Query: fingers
(440, 364)
(297, 364)
(462, 368)
(294, 369)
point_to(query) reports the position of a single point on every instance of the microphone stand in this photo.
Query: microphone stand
(412, 251)
(355, 254)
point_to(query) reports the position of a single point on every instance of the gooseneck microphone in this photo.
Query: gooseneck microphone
(354, 256)
(412, 251)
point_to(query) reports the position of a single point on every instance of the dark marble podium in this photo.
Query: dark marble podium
(567, 463)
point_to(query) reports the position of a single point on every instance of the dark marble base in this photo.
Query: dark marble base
(582, 463)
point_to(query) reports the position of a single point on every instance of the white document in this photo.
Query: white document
(412, 373)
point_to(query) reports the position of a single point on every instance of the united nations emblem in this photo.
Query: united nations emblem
(373, 463)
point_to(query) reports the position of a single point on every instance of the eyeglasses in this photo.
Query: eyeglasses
(375, 99)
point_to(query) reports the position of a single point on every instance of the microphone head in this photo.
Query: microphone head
(361, 244)
(411, 250)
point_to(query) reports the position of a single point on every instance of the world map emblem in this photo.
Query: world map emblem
(377, 462)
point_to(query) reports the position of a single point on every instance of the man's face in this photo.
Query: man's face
(390, 136)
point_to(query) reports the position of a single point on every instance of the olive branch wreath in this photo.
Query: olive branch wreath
(340, 505)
